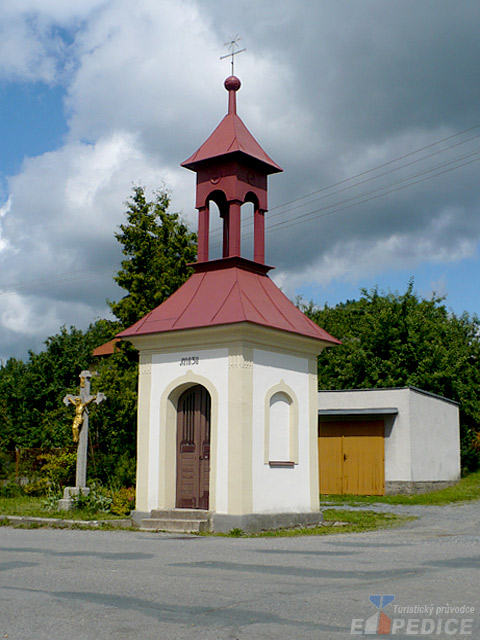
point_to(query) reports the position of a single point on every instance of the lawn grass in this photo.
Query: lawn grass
(33, 507)
(353, 522)
(467, 489)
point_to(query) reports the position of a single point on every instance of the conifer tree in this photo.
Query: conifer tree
(158, 247)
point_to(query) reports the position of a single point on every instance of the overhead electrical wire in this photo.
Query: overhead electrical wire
(368, 196)
(60, 278)
(322, 212)
(389, 162)
(335, 207)
(248, 221)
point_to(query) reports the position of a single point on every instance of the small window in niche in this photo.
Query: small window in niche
(280, 427)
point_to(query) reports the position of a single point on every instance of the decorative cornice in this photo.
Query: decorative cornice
(240, 358)
(145, 368)
(230, 262)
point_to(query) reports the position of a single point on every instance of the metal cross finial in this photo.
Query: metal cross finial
(231, 44)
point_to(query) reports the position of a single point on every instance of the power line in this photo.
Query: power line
(322, 212)
(389, 162)
(60, 278)
(248, 221)
(65, 278)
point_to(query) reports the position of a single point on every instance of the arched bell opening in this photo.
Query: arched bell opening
(221, 233)
(247, 211)
(257, 236)
(215, 232)
(213, 227)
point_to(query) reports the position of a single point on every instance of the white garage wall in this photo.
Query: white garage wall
(435, 439)
(422, 442)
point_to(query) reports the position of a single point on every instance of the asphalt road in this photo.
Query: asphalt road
(64, 584)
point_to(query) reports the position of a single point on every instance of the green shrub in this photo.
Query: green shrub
(98, 499)
(37, 488)
(123, 501)
(11, 490)
(7, 465)
(60, 467)
(54, 494)
(113, 470)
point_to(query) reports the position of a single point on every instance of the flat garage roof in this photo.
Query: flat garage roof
(377, 411)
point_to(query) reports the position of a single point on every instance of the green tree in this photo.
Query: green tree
(114, 423)
(158, 247)
(32, 413)
(395, 340)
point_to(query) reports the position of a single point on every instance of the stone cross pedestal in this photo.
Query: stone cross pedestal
(80, 436)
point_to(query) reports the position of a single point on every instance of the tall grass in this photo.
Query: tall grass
(34, 507)
(466, 489)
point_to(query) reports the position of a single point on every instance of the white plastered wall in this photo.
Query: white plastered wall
(280, 489)
(434, 439)
(171, 371)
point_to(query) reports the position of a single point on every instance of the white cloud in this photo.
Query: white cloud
(438, 287)
(358, 259)
(31, 46)
(65, 207)
(328, 92)
(3, 211)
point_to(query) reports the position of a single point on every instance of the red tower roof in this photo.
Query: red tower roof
(223, 292)
(230, 290)
(231, 137)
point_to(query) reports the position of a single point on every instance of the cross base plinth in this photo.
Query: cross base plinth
(65, 503)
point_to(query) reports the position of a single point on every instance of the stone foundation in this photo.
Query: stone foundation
(406, 488)
(137, 517)
(250, 523)
(65, 504)
(253, 522)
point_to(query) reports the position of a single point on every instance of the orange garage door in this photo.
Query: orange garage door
(352, 457)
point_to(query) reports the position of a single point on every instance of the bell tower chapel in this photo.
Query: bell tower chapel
(227, 405)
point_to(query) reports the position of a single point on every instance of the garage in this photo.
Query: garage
(351, 453)
(386, 441)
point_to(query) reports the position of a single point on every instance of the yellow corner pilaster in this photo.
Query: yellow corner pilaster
(240, 429)
(313, 432)
(143, 430)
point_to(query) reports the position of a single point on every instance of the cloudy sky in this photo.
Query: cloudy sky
(371, 108)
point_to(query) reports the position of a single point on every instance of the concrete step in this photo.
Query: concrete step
(178, 520)
(181, 514)
(175, 526)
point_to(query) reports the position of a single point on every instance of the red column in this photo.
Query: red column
(203, 232)
(234, 229)
(226, 233)
(259, 236)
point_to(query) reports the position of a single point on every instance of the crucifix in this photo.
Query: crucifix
(232, 44)
(80, 424)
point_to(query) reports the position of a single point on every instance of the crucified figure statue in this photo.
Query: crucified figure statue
(79, 409)
(80, 422)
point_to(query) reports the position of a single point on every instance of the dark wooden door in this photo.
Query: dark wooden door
(193, 448)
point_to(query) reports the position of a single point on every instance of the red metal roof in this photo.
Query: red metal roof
(106, 349)
(231, 136)
(223, 292)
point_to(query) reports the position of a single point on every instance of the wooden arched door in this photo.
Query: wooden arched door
(193, 448)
